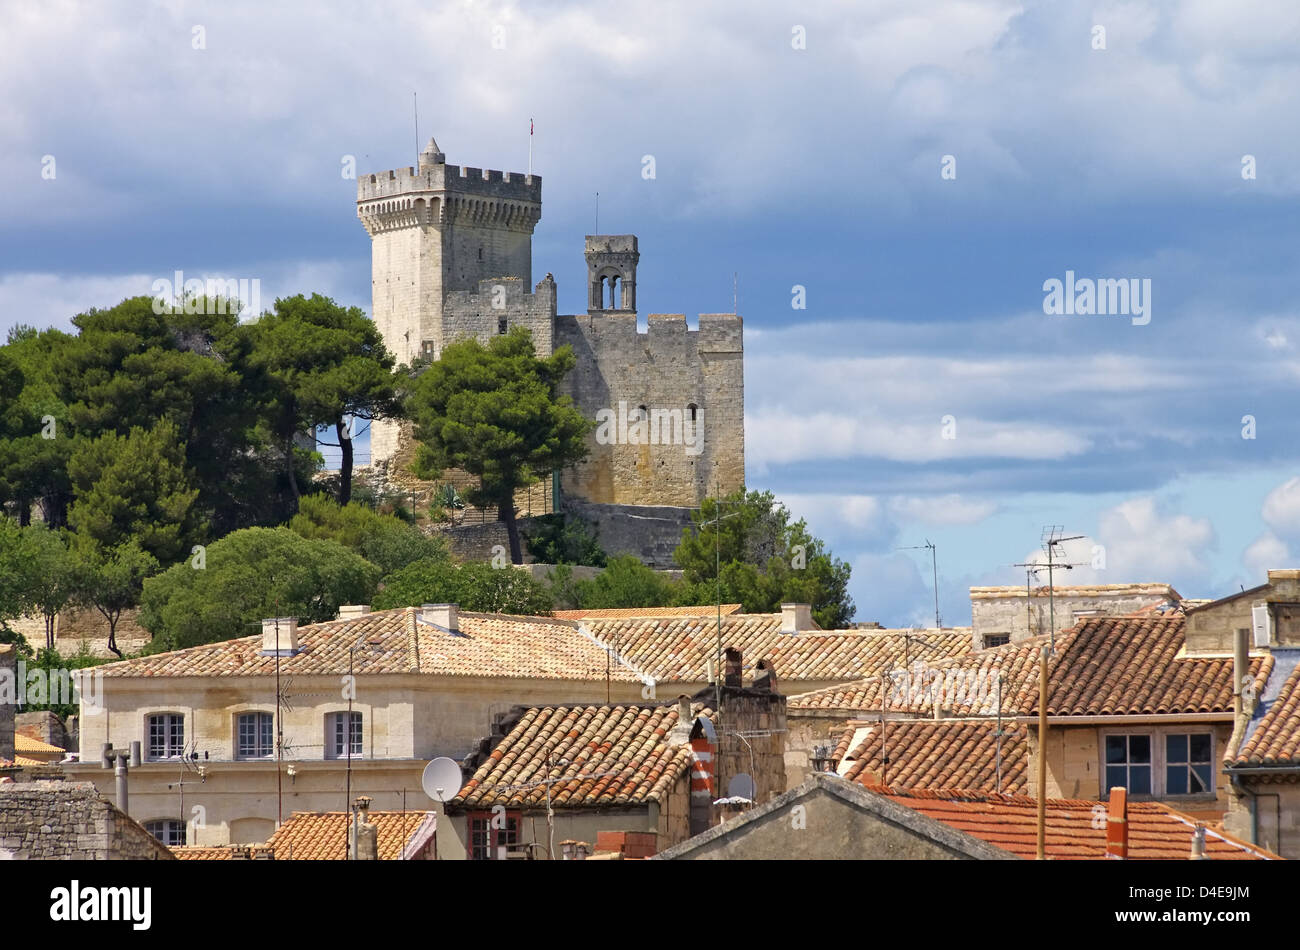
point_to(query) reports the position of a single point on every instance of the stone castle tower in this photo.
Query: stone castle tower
(452, 258)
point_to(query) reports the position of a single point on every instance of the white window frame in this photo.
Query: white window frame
(169, 830)
(336, 749)
(1159, 760)
(171, 749)
(269, 752)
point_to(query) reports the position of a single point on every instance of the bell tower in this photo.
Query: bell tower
(611, 273)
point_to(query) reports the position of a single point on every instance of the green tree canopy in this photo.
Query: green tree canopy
(138, 362)
(557, 539)
(474, 585)
(495, 412)
(384, 540)
(112, 580)
(135, 488)
(766, 559)
(35, 431)
(626, 582)
(326, 363)
(249, 575)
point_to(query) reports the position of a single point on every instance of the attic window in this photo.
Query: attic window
(996, 639)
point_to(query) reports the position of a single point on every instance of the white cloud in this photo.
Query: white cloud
(940, 510)
(1265, 553)
(1145, 542)
(1281, 510)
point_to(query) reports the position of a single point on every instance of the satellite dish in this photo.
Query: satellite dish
(741, 786)
(441, 779)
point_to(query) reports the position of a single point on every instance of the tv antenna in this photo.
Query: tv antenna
(1051, 537)
(934, 568)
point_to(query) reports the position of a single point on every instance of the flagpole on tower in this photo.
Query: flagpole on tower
(530, 148)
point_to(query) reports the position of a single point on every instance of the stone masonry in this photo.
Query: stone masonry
(452, 258)
(62, 820)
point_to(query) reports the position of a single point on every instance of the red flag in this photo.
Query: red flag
(530, 126)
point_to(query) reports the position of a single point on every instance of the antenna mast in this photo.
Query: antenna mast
(415, 108)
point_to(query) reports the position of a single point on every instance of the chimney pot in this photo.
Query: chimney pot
(443, 616)
(280, 633)
(731, 665)
(1117, 824)
(796, 617)
(353, 611)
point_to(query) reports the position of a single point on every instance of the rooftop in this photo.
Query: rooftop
(1084, 590)
(323, 836)
(945, 753)
(1075, 829)
(607, 755)
(1103, 666)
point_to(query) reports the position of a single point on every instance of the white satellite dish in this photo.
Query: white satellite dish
(441, 779)
(741, 786)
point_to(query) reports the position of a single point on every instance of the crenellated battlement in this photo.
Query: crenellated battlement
(505, 294)
(717, 333)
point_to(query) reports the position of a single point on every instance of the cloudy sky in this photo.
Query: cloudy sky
(919, 167)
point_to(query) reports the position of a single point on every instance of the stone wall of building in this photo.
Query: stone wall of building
(1210, 626)
(61, 820)
(997, 611)
(691, 385)
(650, 532)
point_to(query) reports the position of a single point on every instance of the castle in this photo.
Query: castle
(452, 258)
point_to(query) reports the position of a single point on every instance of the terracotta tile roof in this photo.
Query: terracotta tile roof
(617, 755)
(1275, 739)
(1132, 665)
(967, 685)
(617, 613)
(27, 744)
(1085, 590)
(393, 641)
(947, 753)
(196, 852)
(323, 836)
(680, 649)
(1155, 831)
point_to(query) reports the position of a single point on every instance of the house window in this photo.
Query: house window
(501, 325)
(1128, 763)
(996, 639)
(1187, 763)
(170, 831)
(256, 735)
(166, 735)
(488, 834)
(338, 735)
(1161, 763)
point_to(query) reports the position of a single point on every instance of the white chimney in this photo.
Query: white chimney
(440, 615)
(353, 611)
(796, 617)
(282, 631)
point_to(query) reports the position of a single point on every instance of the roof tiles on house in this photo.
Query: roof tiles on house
(927, 753)
(1103, 666)
(1275, 740)
(396, 641)
(1075, 829)
(681, 649)
(588, 756)
(323, 836)
(620, 613)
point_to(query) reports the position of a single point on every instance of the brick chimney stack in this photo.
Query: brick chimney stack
(1117, 824)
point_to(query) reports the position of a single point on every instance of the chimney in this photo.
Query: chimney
(796, 617)
(731, 667)
(279, 633)
(1198, 843)
(683, 709)
(1117, 824)
(1240, 670)
(442, 616)
(703, 741)
(363, 835)
(353, 611)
